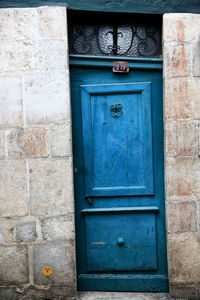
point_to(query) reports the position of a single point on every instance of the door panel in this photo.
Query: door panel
(119, 178)
(117, 139)
(128, 245)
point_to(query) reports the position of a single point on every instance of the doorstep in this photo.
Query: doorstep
(123, 296)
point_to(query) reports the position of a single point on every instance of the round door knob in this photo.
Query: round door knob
(120, 241)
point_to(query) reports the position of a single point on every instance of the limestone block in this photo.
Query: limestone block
(171, 138)
(179, 291)
(182, 216)
(65, 292)
(187, 133)
(182, 178)
(2, 144)
(47, 98)
(52, 21)
(182, 98)
(181, 27)
(13, 264)
(7, 226)
(25, 23)
(198, 216)
(58, 228)
(59, 256)
(5, 24)
(196, 59)
(7, 293)
(13, 188)
(61, 142)
(10, 101)
(26, 232)
(28, 142)
(177, 60)
(53, 54)
(184, 258)
(38, 292)
(20, 55)
(51, 186)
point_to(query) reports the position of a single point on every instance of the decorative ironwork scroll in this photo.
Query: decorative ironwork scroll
(133, 40)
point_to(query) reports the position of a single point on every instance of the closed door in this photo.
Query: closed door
(119, 183)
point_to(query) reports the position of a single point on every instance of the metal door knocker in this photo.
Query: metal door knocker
(116, 110)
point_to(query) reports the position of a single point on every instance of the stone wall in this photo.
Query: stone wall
(182, 161)
(36, 190)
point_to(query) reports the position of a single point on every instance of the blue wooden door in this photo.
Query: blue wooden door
(119, 184)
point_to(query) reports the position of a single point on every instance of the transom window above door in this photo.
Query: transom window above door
(108, 34)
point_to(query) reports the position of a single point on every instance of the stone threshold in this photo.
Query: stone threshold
(123, 296)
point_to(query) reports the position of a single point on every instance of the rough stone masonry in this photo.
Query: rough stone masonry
(181, 45)
(36, 189)
(36, 183)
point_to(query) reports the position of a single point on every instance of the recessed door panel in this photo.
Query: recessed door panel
(117, 135)
(121, 241)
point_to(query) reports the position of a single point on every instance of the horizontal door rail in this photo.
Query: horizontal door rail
(107, 62)
(119, 209)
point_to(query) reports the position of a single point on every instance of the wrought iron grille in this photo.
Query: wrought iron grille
(139, 38)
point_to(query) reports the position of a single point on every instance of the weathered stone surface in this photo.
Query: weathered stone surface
(58, 228)
(5, 24)
(196, 59)
(13, 264)
(38, 292)
(182, 98)
(182, 178)
(7, 226)
(2, 144)
(65, 292)
(13, 188)
(20, 55)
(181, 138)
(61, 143)
(181, 290)
(182, 216)
(25, 23)
(184, 258)
(47, 98)
(35, 90)
(28, 142)
(199, 140)
(51, 190)
(7, 293)
(187, 133)
(177, 59)
(123, 295)
(181, 27)
(198, 216)
(59, 257)
(52, 21)
(10, 98)
(26, 232)
(171, 138)
(53, 54)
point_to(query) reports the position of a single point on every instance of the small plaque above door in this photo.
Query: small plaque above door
(120, 67)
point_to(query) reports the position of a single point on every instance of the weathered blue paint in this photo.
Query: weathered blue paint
(117, 144)
(129, 6)
(121, 243)
(106, 62)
